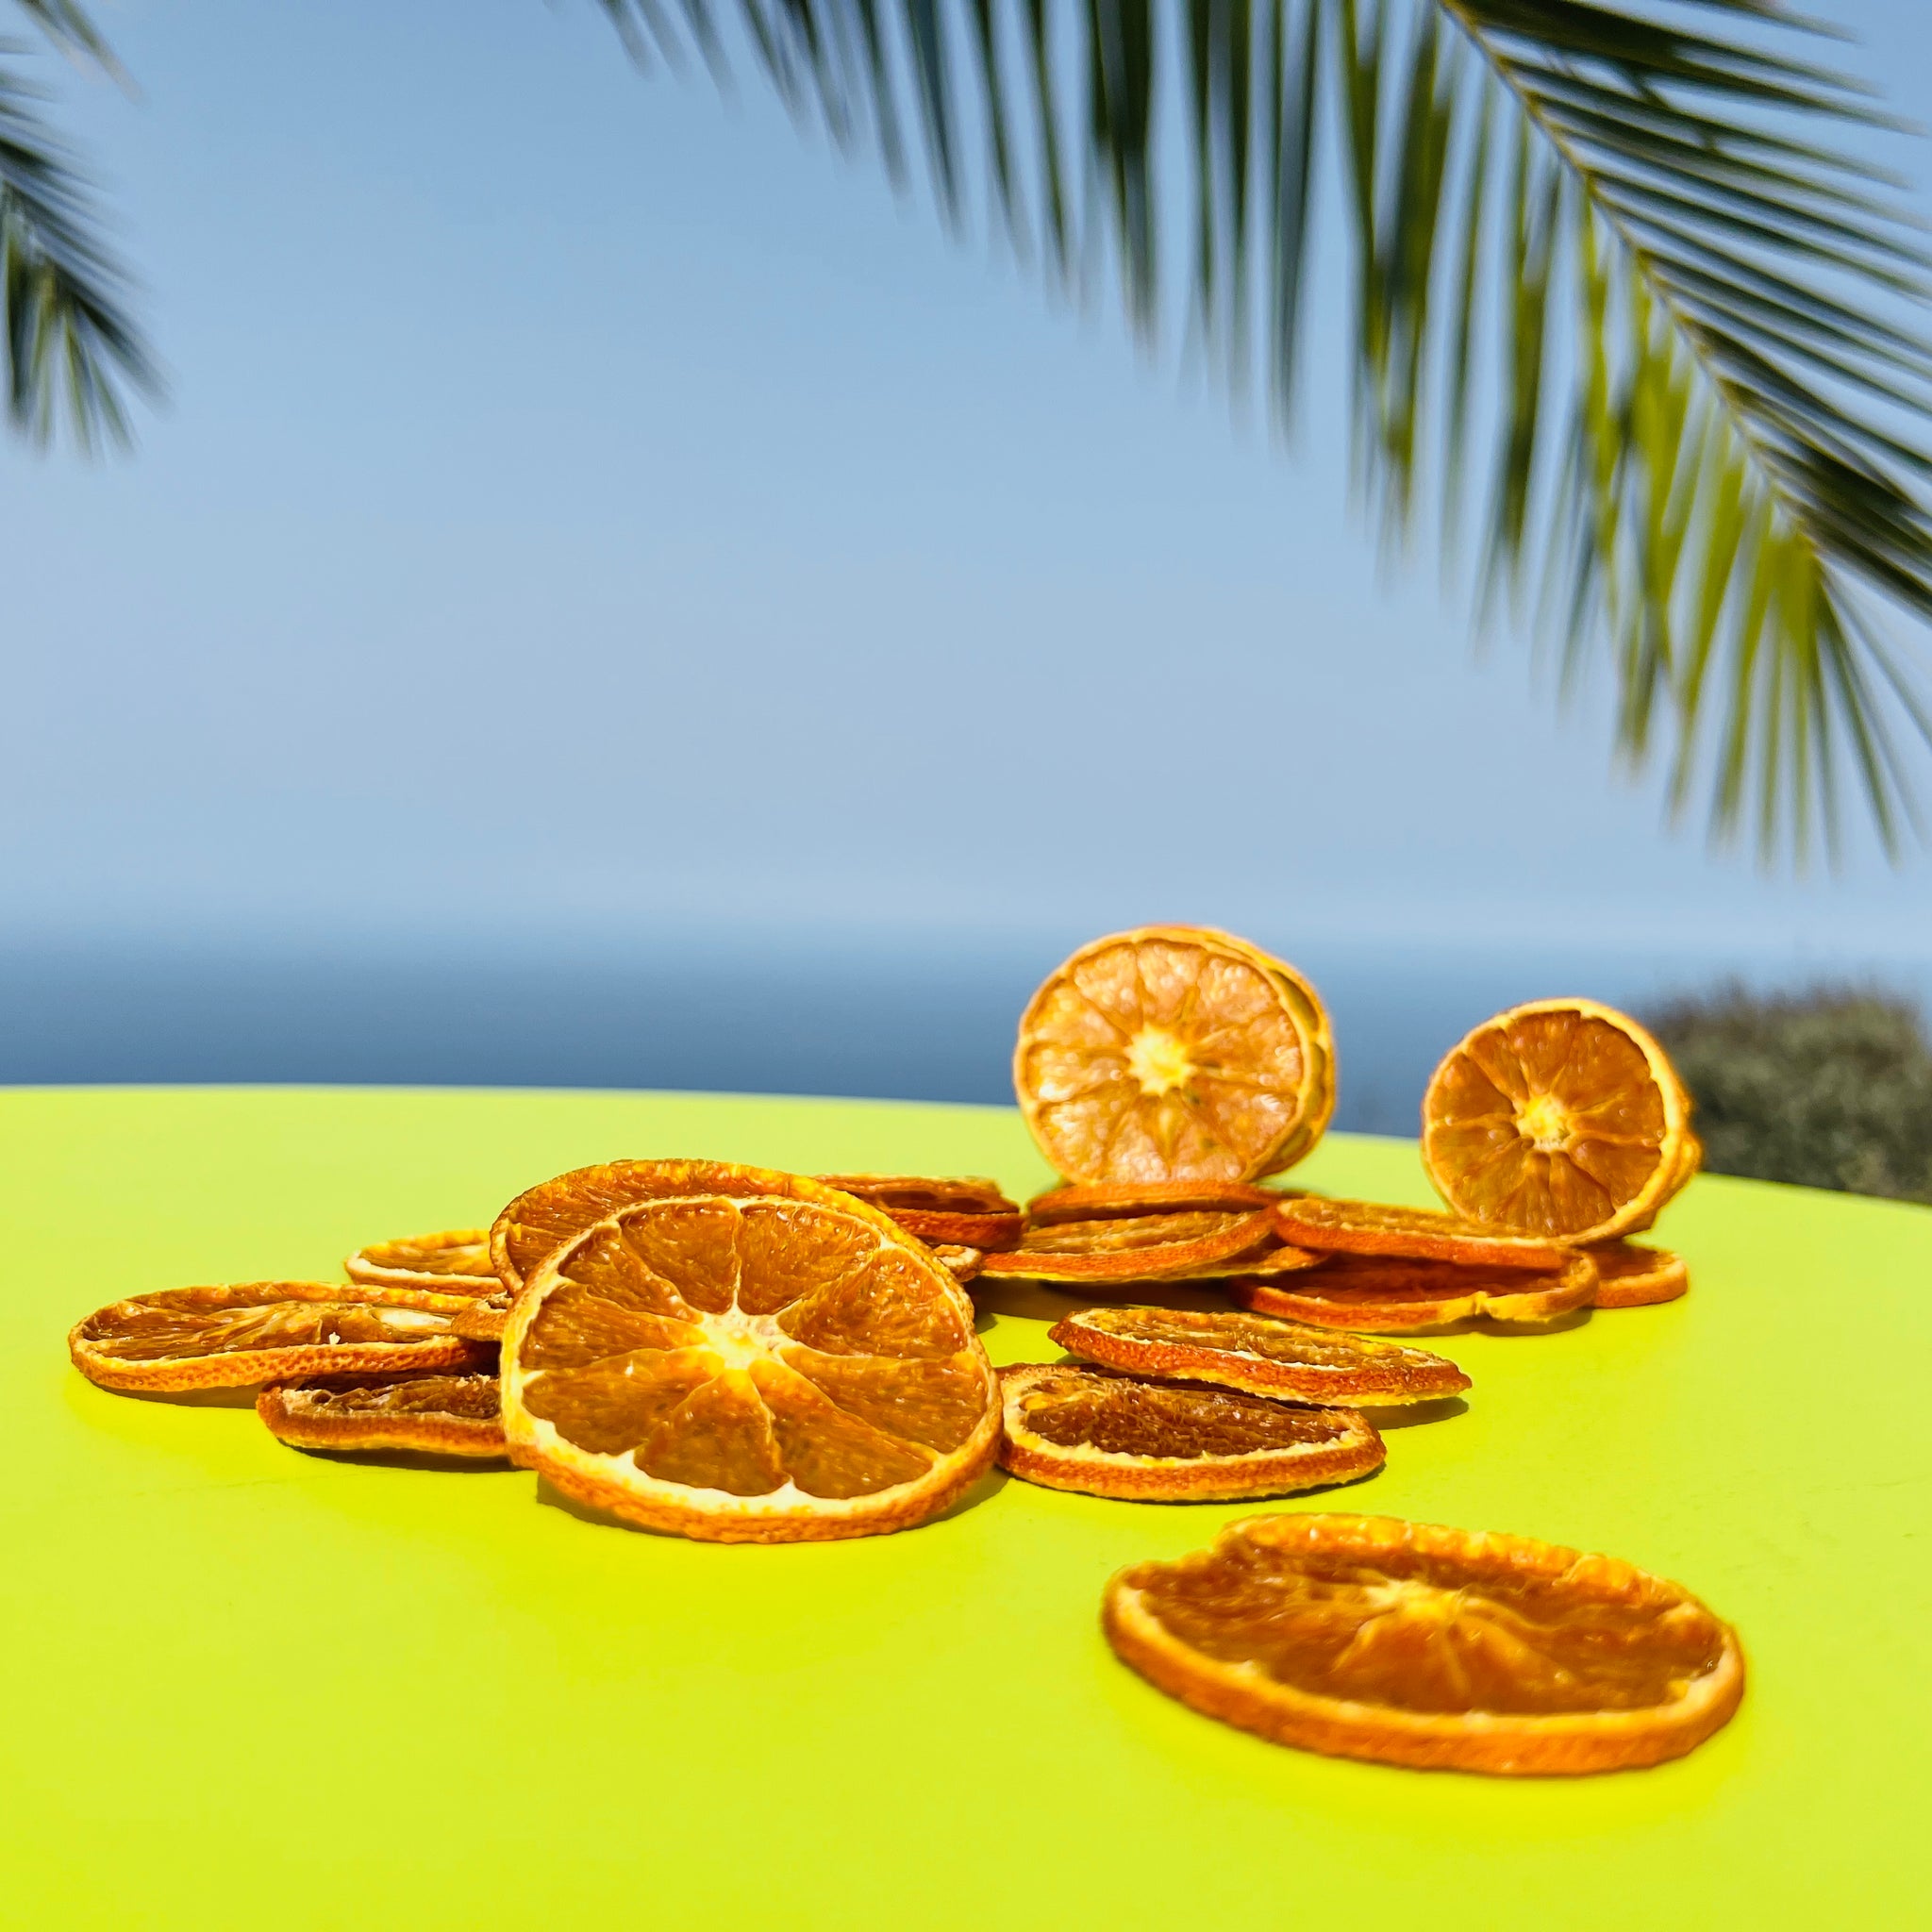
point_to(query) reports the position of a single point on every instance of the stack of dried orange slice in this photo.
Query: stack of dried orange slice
(1168, 1405)
(738, 1354)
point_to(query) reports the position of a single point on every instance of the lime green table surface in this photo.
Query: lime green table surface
(250, 1687)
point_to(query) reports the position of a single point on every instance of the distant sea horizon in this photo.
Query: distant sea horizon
(910, 1019)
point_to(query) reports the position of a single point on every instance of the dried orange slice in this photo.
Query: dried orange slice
(1379, 1295)
(484, 1319)
(432, 1415)
(1561, 1118)
(1270, 1259)
(1365, 1636)
(961, 1262)
(1140, 1248)
(1258, 1353)
(234, 1336)
(1420, 1234)
(1105, 1434)
(1097, 1201)
(967, 1212)
(1630, 1275)
(762, 1359)
(445, 1262)
(1172, 1053)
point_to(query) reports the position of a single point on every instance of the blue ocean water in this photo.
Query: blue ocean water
(780, 1014)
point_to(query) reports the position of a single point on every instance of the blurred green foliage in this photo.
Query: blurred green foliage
(1830, 1088)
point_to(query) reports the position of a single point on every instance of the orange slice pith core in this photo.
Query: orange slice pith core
(778, 1363)
(236, 1335)
(1366, 1636)
(438, 1415)
(1373, 1294)
(1563, 1117)
(1174, 1052)
(1630, 1275)
(1072, 1427)
(1256, 1353)
(448, 1260)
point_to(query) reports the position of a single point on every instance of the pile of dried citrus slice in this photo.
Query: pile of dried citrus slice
(738, 1354)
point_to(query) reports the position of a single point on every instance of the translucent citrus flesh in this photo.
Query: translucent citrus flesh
(1159, 1058)
(1550, 1122)
(1122, 1416)
(173, 1326)
(1418, 1632)
(738, 1345)
(475, 1398)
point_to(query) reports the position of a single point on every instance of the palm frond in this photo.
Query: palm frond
(1628, 244)
(74, 352)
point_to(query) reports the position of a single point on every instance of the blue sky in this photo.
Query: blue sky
(586, 509)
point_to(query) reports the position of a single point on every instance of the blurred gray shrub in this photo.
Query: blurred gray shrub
(1831, 1087)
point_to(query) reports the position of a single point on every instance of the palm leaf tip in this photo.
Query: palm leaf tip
(75, 356)
(1640, 249)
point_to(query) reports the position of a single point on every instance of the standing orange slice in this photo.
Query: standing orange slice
(1258, 1353)
(234, 1336)
(1371, 1294)
(759, 1359)
(1105, 1434)
(1365, 1636)
(1140, 1248)
(1419, 1234)
(1563, 1117)
(1630, 1275)
(430, 1415)
(1174, 1052)
(447, 1262)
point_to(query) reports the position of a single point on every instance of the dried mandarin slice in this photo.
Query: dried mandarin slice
(767, 1361)
(484, 1319)
(1420, 1234)
(447, 1262)
(967, 1212)
(1174, 1052)
(1258, 1353)
(1142, 1247)
(239, 1333)
(1630, 1275)
(1105, 1434)
(431, 1415)
(1095, 1201)
(1561, 1118)
(1380, 1295)
(961, 1262)
(1408, 1643)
